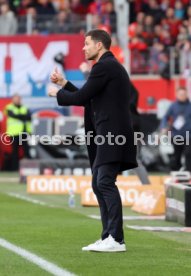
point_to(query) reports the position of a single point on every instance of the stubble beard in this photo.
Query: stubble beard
(93, 57)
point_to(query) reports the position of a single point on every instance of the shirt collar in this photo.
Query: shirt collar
(106, 54)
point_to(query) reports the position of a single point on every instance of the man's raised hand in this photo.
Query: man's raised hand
(52, 91)
(57, 78)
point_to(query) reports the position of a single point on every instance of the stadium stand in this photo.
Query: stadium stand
(155, 27)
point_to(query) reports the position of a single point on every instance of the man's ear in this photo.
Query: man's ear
(100, 45)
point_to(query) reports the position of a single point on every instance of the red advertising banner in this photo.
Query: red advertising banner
(27, 61)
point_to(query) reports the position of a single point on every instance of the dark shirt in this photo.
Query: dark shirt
(176, 110)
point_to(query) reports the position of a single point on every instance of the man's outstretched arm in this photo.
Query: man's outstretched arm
(94, 85)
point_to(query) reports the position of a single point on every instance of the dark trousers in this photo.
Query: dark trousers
(179, 151)
(103, 184)
(15, 152)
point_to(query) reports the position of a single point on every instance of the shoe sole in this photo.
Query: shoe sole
(108, 250)
(86, 249)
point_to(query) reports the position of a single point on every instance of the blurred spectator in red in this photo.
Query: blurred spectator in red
(138, 48)
(132, 27)
(116, 49)
(77, 7)
(171, 23)
(97, 7)
(24, 5)
(141, 35)
(141, 5)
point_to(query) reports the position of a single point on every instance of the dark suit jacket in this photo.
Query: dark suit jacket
(134, 97)
(105, 96)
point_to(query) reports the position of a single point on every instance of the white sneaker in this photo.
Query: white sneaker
(91, 246)
(108, 245)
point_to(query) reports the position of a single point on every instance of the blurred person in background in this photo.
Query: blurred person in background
(178, 120)
(155, 51)
(179, 10)
(185, 58)
(77, 7)
(45, 7)
(164, 5)
(23, 6)
(97, 23)
(62, 23)
(116, 49)
(18, 123)
(140, 171)
(109, 16)
(140, 17)
(149, 29)
(58, 4)
(171, 23)
(154, 10)
(28, 11)
(8, 21)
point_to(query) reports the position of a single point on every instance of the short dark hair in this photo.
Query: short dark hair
(100, 35)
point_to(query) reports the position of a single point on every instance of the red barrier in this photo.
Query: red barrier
(3, 148)
(155, 88)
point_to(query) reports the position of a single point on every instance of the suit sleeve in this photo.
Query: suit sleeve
(70, 87)
(94, 85)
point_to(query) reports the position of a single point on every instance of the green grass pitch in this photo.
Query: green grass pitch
(57, 234)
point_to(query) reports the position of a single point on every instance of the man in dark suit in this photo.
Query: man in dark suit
(140, 171)
(109, 133)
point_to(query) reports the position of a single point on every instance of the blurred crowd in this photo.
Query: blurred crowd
(155, 26)
(62, 13)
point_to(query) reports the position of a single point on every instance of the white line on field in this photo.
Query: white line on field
(42, 263)
(35, 201)
(134, 217)
(9, 179)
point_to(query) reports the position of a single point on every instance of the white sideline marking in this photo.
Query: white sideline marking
(160, 228)
(9, 179)
(135, 217)
(42, 263)
(35, 201)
